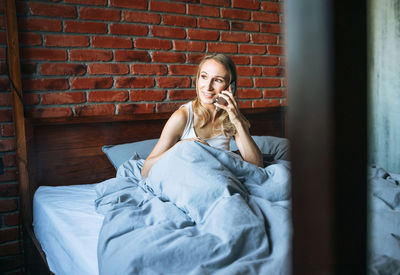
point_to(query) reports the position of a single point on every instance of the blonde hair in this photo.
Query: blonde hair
(227, 126)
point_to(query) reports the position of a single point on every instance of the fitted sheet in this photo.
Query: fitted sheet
(67, 226)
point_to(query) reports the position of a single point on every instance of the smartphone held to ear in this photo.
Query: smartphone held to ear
(221, 100)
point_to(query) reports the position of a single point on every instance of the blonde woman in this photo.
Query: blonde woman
(212, 118)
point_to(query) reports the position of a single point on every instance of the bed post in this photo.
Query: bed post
(18, 110)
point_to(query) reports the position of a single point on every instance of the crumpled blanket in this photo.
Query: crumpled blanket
(199, 211)
(384, 221)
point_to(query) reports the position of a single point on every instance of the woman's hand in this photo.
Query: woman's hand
(231, 107)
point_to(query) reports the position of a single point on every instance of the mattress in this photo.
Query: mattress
(67, 226)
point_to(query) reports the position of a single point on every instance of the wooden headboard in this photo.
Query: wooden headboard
(67, 151)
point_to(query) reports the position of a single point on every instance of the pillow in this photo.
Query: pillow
(270, 147)
(120, 153)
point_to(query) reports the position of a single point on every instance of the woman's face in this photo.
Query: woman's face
(212, 80)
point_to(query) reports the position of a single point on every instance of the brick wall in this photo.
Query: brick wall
(101, 57)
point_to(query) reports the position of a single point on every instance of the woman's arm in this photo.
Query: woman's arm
(170, 135)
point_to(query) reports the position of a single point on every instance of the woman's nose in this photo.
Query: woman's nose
(210, 85)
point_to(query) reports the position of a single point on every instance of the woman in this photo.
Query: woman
(207, 121)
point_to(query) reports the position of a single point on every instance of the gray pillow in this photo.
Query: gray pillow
(120, 153)
(271, 147)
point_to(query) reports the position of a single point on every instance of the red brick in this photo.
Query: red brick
(272, 7)
(249, 93)
(264, 38)
(63, 98)
(270, 28)
(168, 107)
(235, 36)
(222, 47)
(31, 99)
(85, 27)
(195, 57)
(88, 2)
(168, 57)
(5, 115)
(248, 71)
(66, 40)
(39, 24)
(129, 109)
(90, 55)
(147, 95)
(191, 46)
(9, 160)
(245, 82)
(28, 68)
(245, 104)
(252, 49)
(108, 96)
(134, 82)
(4, 84)
(62, 69)
(148, 69)
(129, 55)
(182, 94)
(11, 219)
(245, 26)
(273, 93)
(236, 14)
(9, 234)
(265, 17)
(275, 50)
(10, 249)
(262, 103)
(264, 60)
(273, 71)
(141, 17)
(9, 175)
(80, 83)
(44, 54)
(202, 10)
(137, 4)
(167, 32)
(152, 43)
(246, 4)
(5, 99)
(108, 68)
(95, 110)
(31, 39)
(7, 205)
(167, 7)
(113, 42)
(3, 38)
(218, 3)
(128, 29)
(173, 82)
(99, 14)
(45, 84)
(209, 23)
(49, 112)
(7, 130)
(52, 10)
(178, 20)
(267, 82)
(196, 34)
(7, 145)
(182, 69)
(2, 53)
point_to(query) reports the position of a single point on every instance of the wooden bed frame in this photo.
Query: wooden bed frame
(67, 151)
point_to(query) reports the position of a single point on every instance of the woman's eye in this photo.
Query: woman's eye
(203, 76)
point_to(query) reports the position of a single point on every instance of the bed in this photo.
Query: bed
(78, 167)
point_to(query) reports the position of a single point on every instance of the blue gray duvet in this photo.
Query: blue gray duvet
(200, 211)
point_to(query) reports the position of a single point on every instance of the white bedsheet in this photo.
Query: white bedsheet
(67, 226)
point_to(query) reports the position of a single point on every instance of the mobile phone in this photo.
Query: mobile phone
(221, 100)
